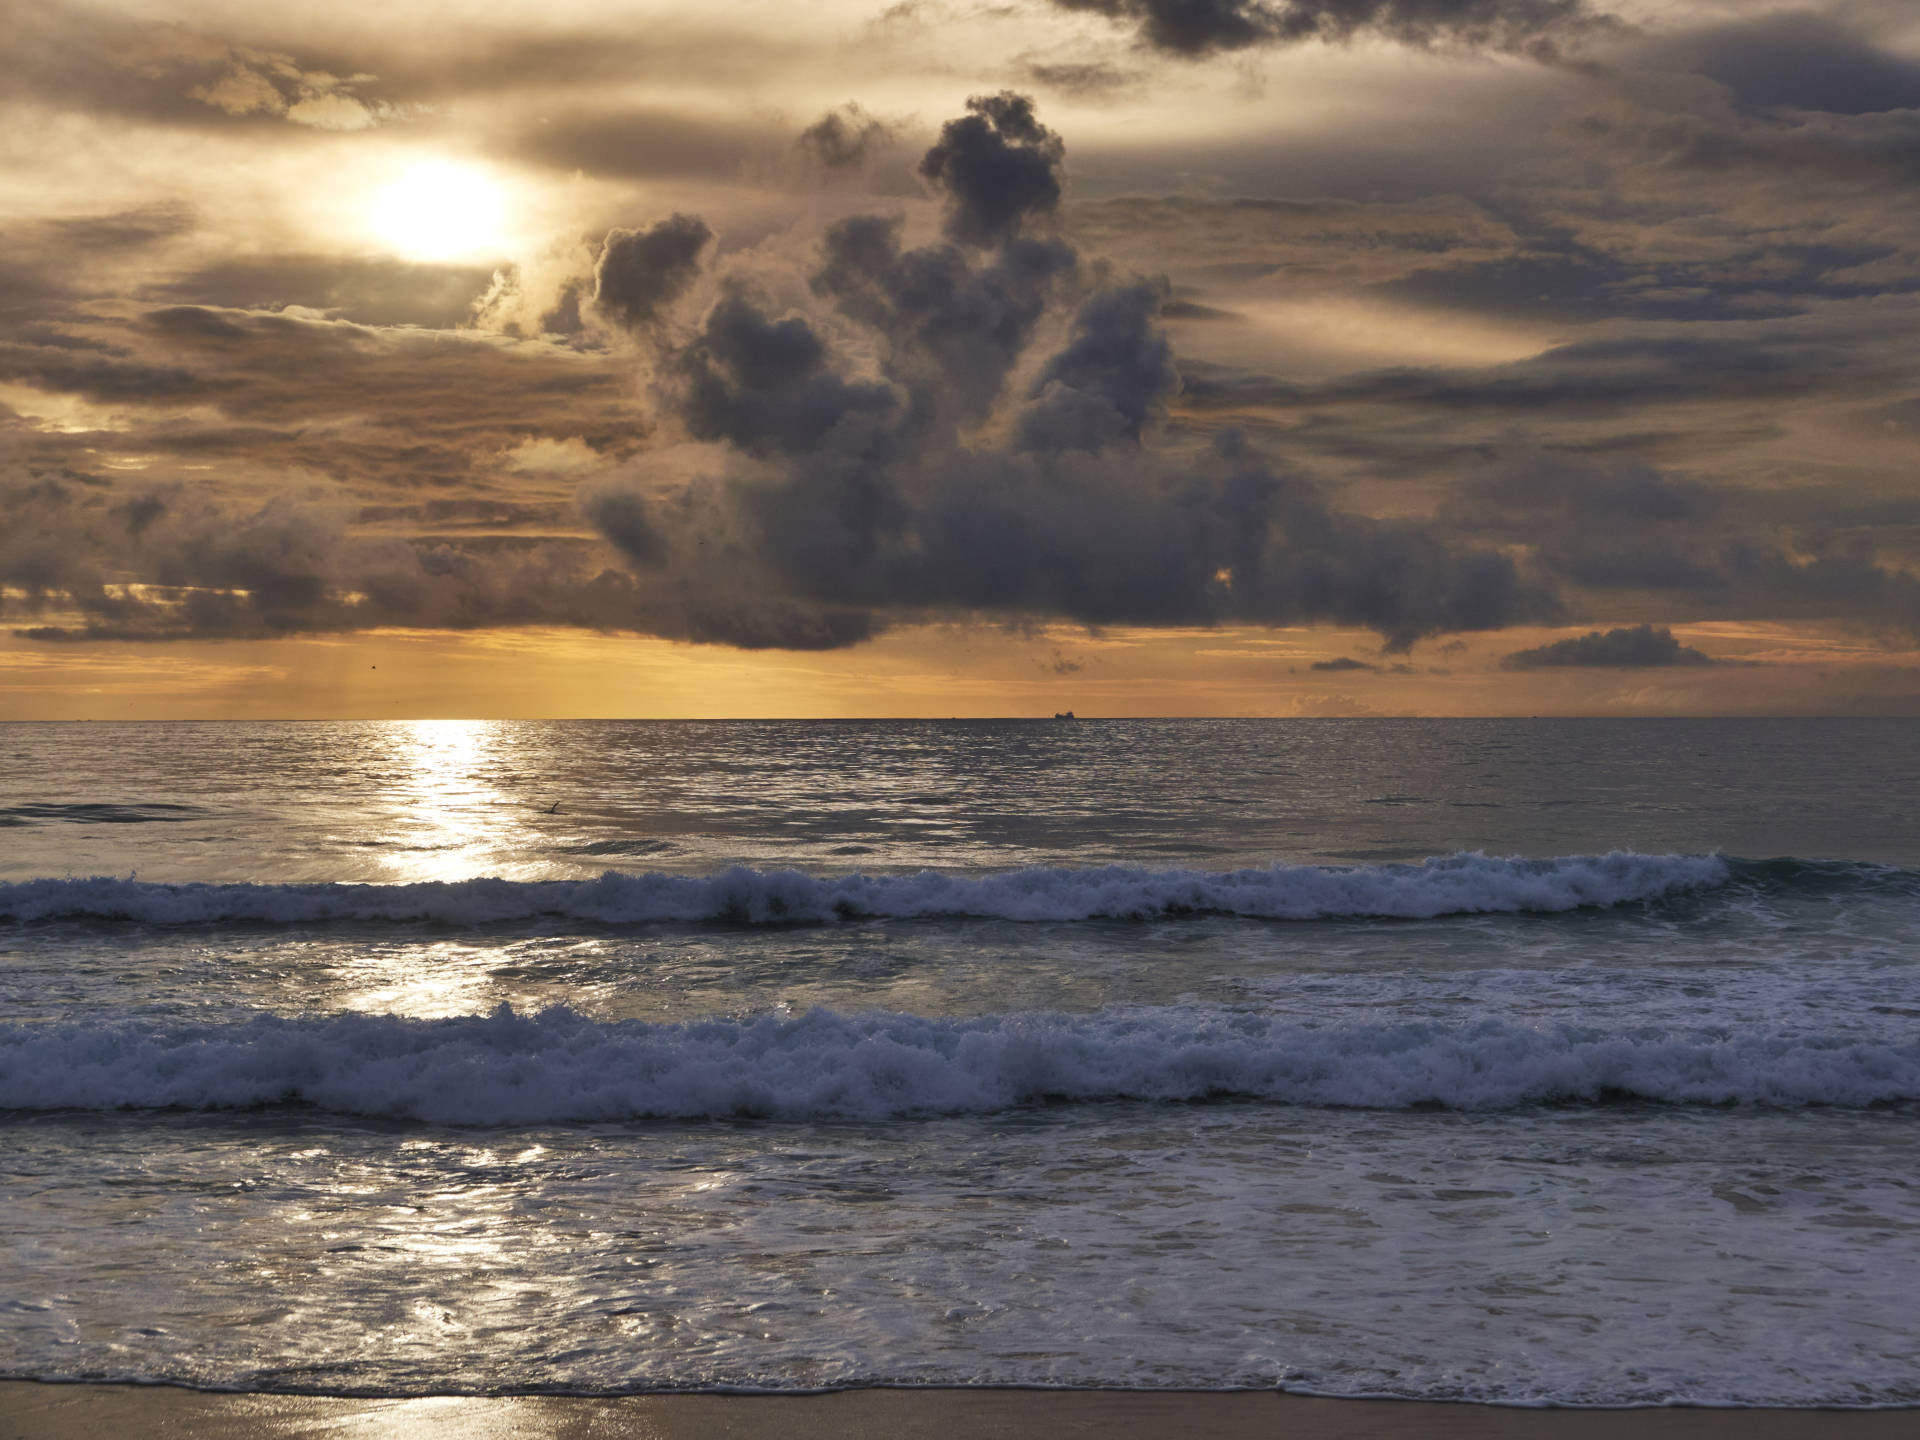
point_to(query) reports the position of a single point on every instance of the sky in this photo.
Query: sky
(1135, 357)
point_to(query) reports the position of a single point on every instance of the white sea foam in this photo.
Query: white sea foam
(1453, 885)
(558, 1066)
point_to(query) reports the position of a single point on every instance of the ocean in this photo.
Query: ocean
(1567, 1062)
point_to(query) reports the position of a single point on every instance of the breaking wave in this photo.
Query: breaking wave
(557, 1066)
(1453, 885)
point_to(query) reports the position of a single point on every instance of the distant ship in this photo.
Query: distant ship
(1063, 714)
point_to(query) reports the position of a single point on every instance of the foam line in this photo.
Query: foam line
(1453, 885)
(557, 1066)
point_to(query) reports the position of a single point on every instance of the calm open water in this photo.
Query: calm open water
(1527, 1061)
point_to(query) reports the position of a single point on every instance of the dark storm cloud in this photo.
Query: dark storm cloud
(1601, 376)
(624, 518)
(1114, 376)
(1632, 647)
(1842, 582)
(862, 500)
(1120, 538)
(1877, 146)
(952, 325)
(1085, 80)
(1189, 27)
(999, 167)
(641, 271)
(1625, 527)
(1584, 495)
(1630, 528)
(1795, 59)
(765, 386)
(1201, 27)
(845, 138)
(972, 426)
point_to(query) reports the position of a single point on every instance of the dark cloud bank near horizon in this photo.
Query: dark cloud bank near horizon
(1628, 647)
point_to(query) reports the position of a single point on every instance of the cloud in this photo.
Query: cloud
(640, 271)
(766, 386)
(1112, 378)
(1344, 662)
(1632, 647)
(951, 324)
(623, 517)
(1794, 59)
(1189, 27)
(1194, 28)
(988, 422)
(85, 59)
(855, 499)
(638, 142)
(162, 564)
(1633, 528)
(999, 167)
(268, 84)
(845, 138)
(1087, 80)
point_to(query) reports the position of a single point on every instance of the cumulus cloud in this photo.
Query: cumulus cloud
(951, 325)
(1114, 375)
(1629, 647)
(895, 424)
(883, 470)
(641, 271)
(999, 167)
(766, 386)
(1633, 528)
(1794, 59)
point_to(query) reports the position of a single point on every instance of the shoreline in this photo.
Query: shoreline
(81, 1410)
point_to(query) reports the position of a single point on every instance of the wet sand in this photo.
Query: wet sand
(30, 1411)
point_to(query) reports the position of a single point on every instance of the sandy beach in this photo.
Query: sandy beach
(30, 1411)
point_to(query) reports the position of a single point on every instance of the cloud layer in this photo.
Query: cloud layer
(1410, 316)
(1201, 27)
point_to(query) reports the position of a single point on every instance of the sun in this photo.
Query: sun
(441, 210)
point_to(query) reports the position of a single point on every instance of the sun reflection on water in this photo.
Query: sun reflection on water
(451, 815)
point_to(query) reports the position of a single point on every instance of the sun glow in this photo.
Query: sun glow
(440, 210)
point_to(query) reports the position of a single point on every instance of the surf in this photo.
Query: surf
(1460, 884)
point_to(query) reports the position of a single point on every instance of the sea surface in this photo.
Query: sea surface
(1525, 1061)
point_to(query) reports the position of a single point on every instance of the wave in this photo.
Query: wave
(98, 813)
(1454, 885)
(557, 1066)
